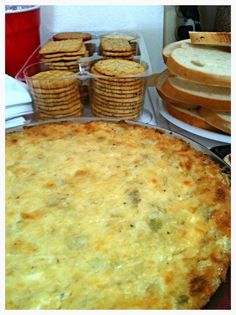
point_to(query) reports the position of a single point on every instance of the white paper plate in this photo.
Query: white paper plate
(194, 130)
(18, 110)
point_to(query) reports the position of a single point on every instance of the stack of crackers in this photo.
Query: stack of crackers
(133, 45)
(72, 35)
(63, 54)
(55, 94)
(131, 39)
(116, 48)
(115, 93)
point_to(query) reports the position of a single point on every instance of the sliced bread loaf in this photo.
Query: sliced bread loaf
(201, 64)
(212, 97)
(218, 120)
(167, 50)
(165, 92)
(211, 38)
(189, 116)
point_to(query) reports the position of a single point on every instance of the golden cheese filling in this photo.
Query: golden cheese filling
(112, 216)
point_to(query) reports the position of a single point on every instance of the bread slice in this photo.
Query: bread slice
(167, 50)
(212, 97)
(211, 38)
(201, 64)
(165, 92)
(190, 116)
(219, 120)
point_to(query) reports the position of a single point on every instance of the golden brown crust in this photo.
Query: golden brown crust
(188, 117)
(220, 120)
(124, 215)
(170, 93)
(211, 38)
(196, 98)
(164, 92)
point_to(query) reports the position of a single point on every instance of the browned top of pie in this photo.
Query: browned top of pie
(112, 216)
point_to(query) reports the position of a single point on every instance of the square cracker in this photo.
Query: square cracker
(52, 79)
(81, 52)
(115, 45)
(72, 35)
(69, 45)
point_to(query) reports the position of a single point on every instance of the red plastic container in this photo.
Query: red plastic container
(22, 36)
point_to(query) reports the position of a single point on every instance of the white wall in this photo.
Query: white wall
(148, 20)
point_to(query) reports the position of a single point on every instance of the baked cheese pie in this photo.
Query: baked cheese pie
(109, 215)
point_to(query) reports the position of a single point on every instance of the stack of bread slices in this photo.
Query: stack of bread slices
(196, 86)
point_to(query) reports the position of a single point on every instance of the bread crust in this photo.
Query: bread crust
(194, 98)
(215, 119)
(211, 38)
(189, 118)
(165, 93)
